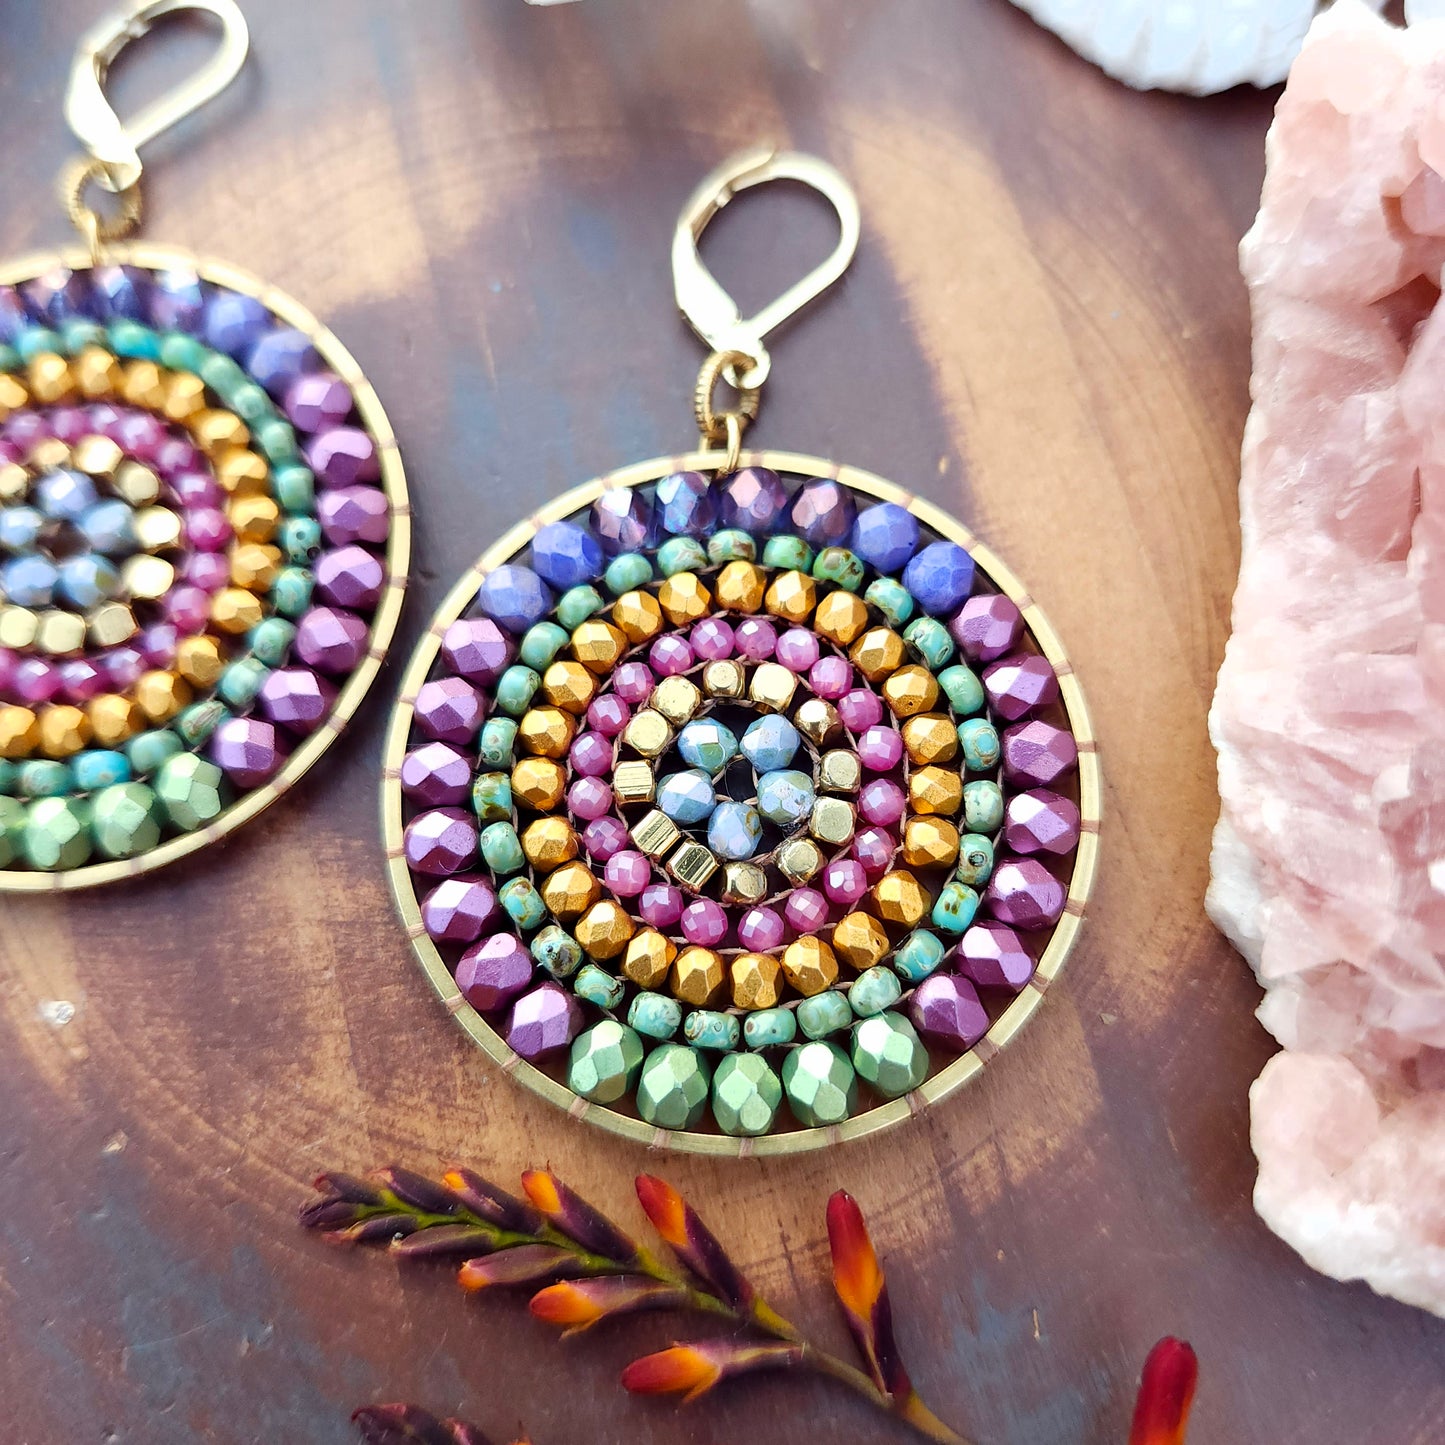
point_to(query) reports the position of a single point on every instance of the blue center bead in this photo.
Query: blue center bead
(687, 504)
(734, 831)
(566, 555)
(940, 576)
(64, 495)
(686, 797)
(708, 745)
(770, 743)
(785, 798)
(885, 536)
(29, 581)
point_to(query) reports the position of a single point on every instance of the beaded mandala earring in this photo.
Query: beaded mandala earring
(203, 533)
(741, 794)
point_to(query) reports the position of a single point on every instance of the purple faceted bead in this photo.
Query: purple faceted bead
(279, 357)
(233, 321)
(318, 401)
(458, 909)
(493, 972)
(566, 555)
(436, 775)
(756, 639)
(633, 682)
(543, 1022)
(823, 513)
(440, 841)
(449, 710)
(623, 521)
(860, 710)
(177, 301)
(1041, 821)
(830, 677)
(882, 801)
(1023, 893)
(353, 514)
(761, 930)
(1036, 753)
(797, 649)
(589, 798)
(753, 500)
(987, 626)
(687, 504)
(874, 849)
(515, 597)
(120, 291)
(246, 750)
(939, 577)
(333, 640)
(1017, 685)
(946, 1010)
(342, 456)
(885, 536)
(350, 577)
(296, 698)
(60, 294)
(476, 648)
(993, 956)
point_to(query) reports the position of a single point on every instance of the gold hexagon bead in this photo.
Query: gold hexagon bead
(929, 843)
(215, 428)
(692, 864)
(654, 833)
(185, 395)
(135, 483)
(49, 378)
(839, 771)
(235, 610)
(14, 481)
(161, 694)
(697, 976)
(598, 645)
(799, 859)
(683, 599)
(603, 931)
(114, 718)
(647, 732)
(818, 720)
(929, 738)
(148, 577)
(724, 679)
(744, 883)
(910, 690)
(935, 790)
(676, 698)
(13, 394)
(569, 891)
(549, 842)
(633, 782)
(570, 686)
(649, 957)
(772, 686)
(199, 660)
(840, 617)
(60, 633)
(19, 732)
(64, 731)
(740, 587)
(832, 821)
(791, 596)
(638, 615)
(110, 623)
(757, 980)
(877, 653)
(156, 528)
(900, 898)
(546, 732)
(49, 454)
(241, 472)
(810, 965)
(859, 940)
(254, 565)
(18, 626)
(97, 373)
(254, 519)
(96, 456)
(538, 783)
(143, 384)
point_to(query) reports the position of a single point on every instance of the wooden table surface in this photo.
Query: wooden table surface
(1045, 331)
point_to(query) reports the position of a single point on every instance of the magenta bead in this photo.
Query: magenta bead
(627, 873)
(633, 682)
(860, 710)
(1041, 821)
(1017, 685)
(458, 909)
(69, 423)
(712, 639)
(331, 639)
(435, 774)
(986, 627)
(704, 922)
(543, 1022)
(797, 649)
(604, 837)
(350, 577)
(760, 930)
(477, 649)
(189, 607)
(660, 905)
(882, 802)
(946, 1010)
(210, 571)
(138, 433)
(830, 677)
(493, 972)
(448, 709)
(175, 454)
(844, 880)
(122, 667)
(756, 639)
(874, 849)
(589, 798)
(880, 749)
(439, 841)
(207, 529)
(299, 700)
(35, 681)
(608, 715)
(994, 956)
(81, 680)
(1035, 753)
(247, 750)
(1024, 894)
(806, 910)
(670, 655)
(9, 661)
(158, 644)
(591, 755)
(353, 514)
(197, 490)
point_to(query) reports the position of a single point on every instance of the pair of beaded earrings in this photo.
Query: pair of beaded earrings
(737, 801)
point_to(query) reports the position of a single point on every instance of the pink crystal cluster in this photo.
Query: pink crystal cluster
(1328, 869)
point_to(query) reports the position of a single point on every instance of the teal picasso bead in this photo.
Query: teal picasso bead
(769, 1028)
(918, 955)
(12, 829)
(271, 639)
(541, 644)
(874, 990)
(291, 591)
(516, 688)
(627, 573)
(954, 908)
(929, 641)
(577, 604)
(100, 768)
(975, 860)
(299, 539)
(148, 750)
(193, 725)
(497, 745)
(787, 554)
(680, 554)
(711, 1029)
(502, 849)
(523, 903)
(892, 599)
(557, 951)
(978, 739)
(295, 488)
(824, 1014)
(963, 690)
(839, 566)
(595, 985)
(983, 806)
(241, 682)
(7, 776)
(492, 797)
(731, 545)
(184, 353)
(655, 1015)
(43, 778)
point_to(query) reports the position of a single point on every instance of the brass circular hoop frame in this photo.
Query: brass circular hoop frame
(388, 609)
(948, 1079)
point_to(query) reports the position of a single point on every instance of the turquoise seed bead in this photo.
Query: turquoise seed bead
(983, 806)
(605, 1062)
(577, 604)
(247, 400)
(874, 990)
(929, 641)
(35, 340)
(712, 1029)
(918, 955)
(964, 691)
(43, 778)
(840, 566)
(954, 909)
(680, 554)
(820, 1083)
(193, 725)
(978, 739)
(147, 751)
(673, 1087)
(541, 644)
(492, 797)
(516, 688)
(592, 984)
(295, 489)
(496, 747)
(824, 1014)
(731, 545)
(277, 439)
(291, 591)
(100, 768)
(558, 952)
(79, 332)
(892, 599)
(57, 833)
(502, 849)
(191, 791)
(130, 338)
(241, 681)
(655, 1015)
(523, 903)
(627, 573)
(889, 1056)
(221, 373)
(125, 820)
(769, 1027)
(975, 860)
(746, 1095)
(12, 829)
(184, 353)
(271, 639)
(787, 554)
(299, 539)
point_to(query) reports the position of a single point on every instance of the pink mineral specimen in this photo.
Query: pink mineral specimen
(1328, 869)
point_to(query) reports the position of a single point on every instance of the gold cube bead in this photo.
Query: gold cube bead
(647, 732)
(859, 940)
(110, 623)
(757, 980)
(910, 690)
(161, 694)
(215, 428)
(598, 645)
(135, 483)
(49, 454)
(877, 653)
(840, 617)
(638, 615)
(241, 472)
(569, 891)
(14, 482)
(184, 395)
(676, 698)
(114, 718)
(724, 679)
(570, 686)
(604, 930)
(832, 821)
(548, 843)
(935, 790)
(655, 833)
(649, 957)
(142, 384)
(18, 626)
(157, 528)
(60, 633)
(772, 686)
(538, 783)
(692, 864)
(254, 519)
(799, 859)
(744, 883)
(49, 378)
(929, 843)
(199, 660)
(683, 599)
(97, 373)
(63, 731)
(254, 565)
(633, 782)
(235, 610)
(148, 577)
(13, 394)
(929, 738)
(839, 771)
(900, 898)
(546, 732)
(96, 456)
(697, 976)
(810, 965)
(740, 587)
(818, 721)
(19, 732)
(791, 596)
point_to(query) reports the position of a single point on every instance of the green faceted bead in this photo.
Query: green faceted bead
(502, 849)
(892, 599)
(983, 806)
(978, 738)
(889, 1056)
(295, 487)
(707, 1028)
(672, 1090)
(746, 1094)
(955, 907)
(839, 565)
(277, 438)
(57, 833)
(929, 641)
(44, 778)
(516, 688)
(248, 401)
(100, 768)
(596, 985)
(557, 951)
(824, 1014)
(193, 725)
(222, 374)
(8, 770)
(126, 820)
(523, 903)
(271, 639)
(80, 332)
(577, 604)
(12, 829)
(874, 990)
(918, 955)
(299, 538)
(964, 691)
(820, 1084)
(731, 545)
(190, 791)
(148, 750)
(605, 1062)
(541, 644)
(492, 797)
(130, 338)
(680, 554)
(655, 1015)
(496, 748)
(787, 554)
(291, 591)
(975, 860)
(36, 339)
(241, 681)
(627, 573)
(769, 1027)
(184, 353)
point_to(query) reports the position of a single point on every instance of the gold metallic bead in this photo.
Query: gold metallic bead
(684, 599)
(538, 783)
(724, 679)
(14, 482)
(818, 721)
(157, 528)
(548, 843)
(676, 698)
(799, 859)
(135, 483)
(910, 690)
(63, 731)
(810, 965)
(143, 384)
(570, 686)
(840, 617)
(839, 771)
(647, 732)
(49, 378)
(96, 456)
(241, 472)
(49, 454)
(740, 587)
(654, 833)
(199, 660)
(19, 732)
(935, 790)
(97, 373)
(255, 519)
(598, 645)
(832, 821)
(161, 694)
(13, 394)
(60, 633)
(877, 653)
(184, 395)
(114, 718)
(633, 782)
(146, 577)
(692, 864)
(649, 957)
(110, 623)
(638, 615)
(603, 931)
(929, 843)
(546, 732)
(235, 610)
(757, 980)
(569, 891)
(254, 565)
(18, 626)
(772, 686)
(697, 976)
(930, 738)
(900, 898)
(744, 883)
(859, 940)
(215, 428)
(791, 596)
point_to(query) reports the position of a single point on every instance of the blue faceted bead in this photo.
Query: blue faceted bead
(823, 513)
(120, 291)
(177, 301)
(566, 555)
(109, 527)
(734, 831)
(29, 581)
(687, 504)
(279, 357)
(770, 743)
(753, 500)
(885, 536)
(707, 744)
(87, 580)
(515, 597)
(100, 769)
(623, 521)
(233, 322)
(785, 798)
(59, 295)
(686, 797)
(20, 526)
(64, 495)
(939, 577)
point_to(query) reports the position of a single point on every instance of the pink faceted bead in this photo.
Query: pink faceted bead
(604, 837)
(633, 682)
(1041, 821)
(81, 680)
(175, 454)
(122, 667)
(882, 801)
(435, 774)
(477, 649)
(9, 661)
(1023, 893)
(24, 428)
(440, 841)
(591, 755)
(157, 644)
(299, 700)
(760, 930)
(874, 849)
(845, 881)
(69, 423)
(704, 922)
(318, 400)
(138, 433)
(210, 571)
(608, 714)
(543, 1022)
(341, 456)
(860, 710)
(331, 639)
(350, 577)
(1018, 685)
(946, 1010)
(993, 956)
(448, 710)
(712, 639)
(197, 489)
(670, 655)
(755, 639)
(661, 905)
(353, 514)
(189, 607)
(986, 627)
(247, 750)
(627, 873)
(493, 972)
(208, 529)
(880, 749)
(35, 681)
(1037, 753)
(589, 798)
(797, 649)
(830, 677)
(458, 909)
(806, 910)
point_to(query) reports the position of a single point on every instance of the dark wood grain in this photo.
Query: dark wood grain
(1045, 331)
